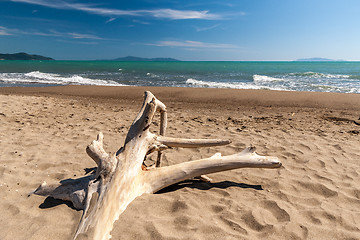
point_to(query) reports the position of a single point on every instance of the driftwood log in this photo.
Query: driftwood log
(121, 177)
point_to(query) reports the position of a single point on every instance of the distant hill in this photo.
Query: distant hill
(22, 56)
(133, 59)
(316, 60)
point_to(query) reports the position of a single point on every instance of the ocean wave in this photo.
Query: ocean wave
(262, 78)
(332, 88)
(355, 77)
(234, 85)
(51, 78)
(319, 75)
(309, 81)
(149, 74)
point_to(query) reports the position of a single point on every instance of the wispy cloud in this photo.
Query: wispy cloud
(198, 29)
(193, 44)
(4, 31)
(77, 42)
(83, 36)
(156, 13)
(110, 20)
(178, 14)
(141, 22)
(52, 33)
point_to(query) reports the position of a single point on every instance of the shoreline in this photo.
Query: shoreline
(228, 97)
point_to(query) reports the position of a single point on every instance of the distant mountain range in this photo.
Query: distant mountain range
(22, 56)
(134, 59)
(316, 60)
(26, 56)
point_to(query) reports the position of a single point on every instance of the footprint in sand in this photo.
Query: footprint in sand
(152, 232)
(252, 223)
(178, 206)
(181, 221)
(233, 226)
(14, 210)
(280, 214)
(318, 188)
(312, 217)
(217, 208)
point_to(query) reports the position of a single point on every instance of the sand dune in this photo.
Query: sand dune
(314, 195)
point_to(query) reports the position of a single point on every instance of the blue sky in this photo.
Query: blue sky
(186, 30)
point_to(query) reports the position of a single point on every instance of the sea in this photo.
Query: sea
(331, 76)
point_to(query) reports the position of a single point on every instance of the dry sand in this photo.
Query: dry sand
(314, 195)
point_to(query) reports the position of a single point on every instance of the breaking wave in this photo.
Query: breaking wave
(234, 85)
(51, 78)
(319, 75)
(310, 81)
(258, 79)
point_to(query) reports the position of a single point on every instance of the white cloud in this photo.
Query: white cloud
(110, 20)
(198, 29)
(157, 13)
(53, 4)
(141, 22)
(193, 44)
(77, 42)
(52, 33)
(83, 36)
(177, 14)
(4, 31)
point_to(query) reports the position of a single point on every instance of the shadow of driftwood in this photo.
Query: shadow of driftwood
(90, 170)
(206, 185)
(66, 187)
(50, 202)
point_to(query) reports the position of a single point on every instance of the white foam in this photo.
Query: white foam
(233, 85)
(320, 75)
(151, 74)
(37, 74)
(50, 78)
(262, 79)
(323, 75)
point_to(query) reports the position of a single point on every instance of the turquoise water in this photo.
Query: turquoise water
(294, 76)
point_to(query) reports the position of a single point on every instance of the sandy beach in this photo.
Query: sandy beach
(314, 195)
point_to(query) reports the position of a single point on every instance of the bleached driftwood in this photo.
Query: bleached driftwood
(121, 177)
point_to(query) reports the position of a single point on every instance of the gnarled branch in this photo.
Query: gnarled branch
(160, 178)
